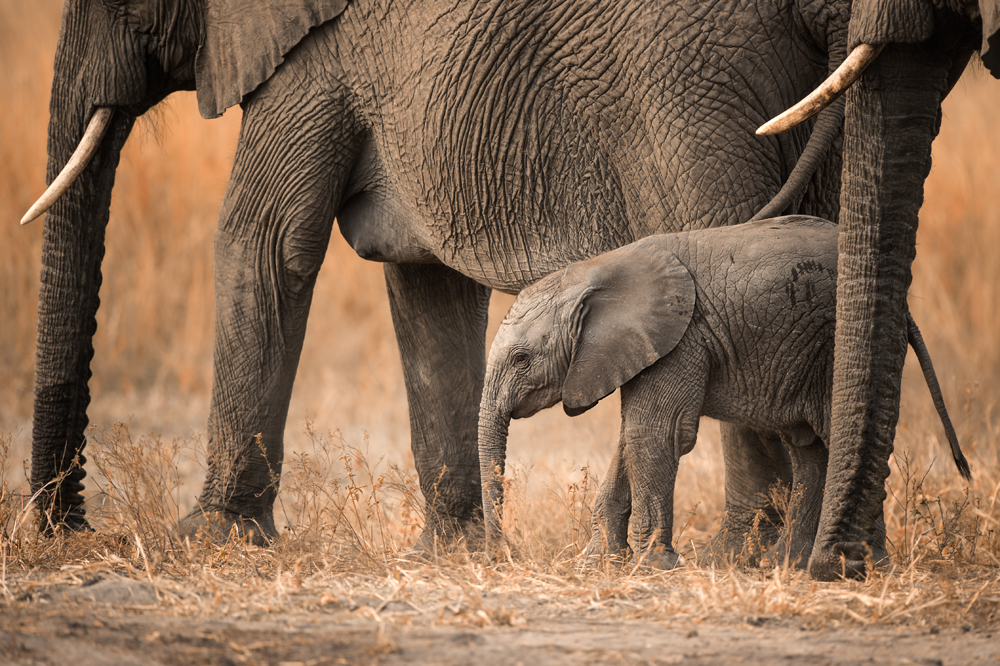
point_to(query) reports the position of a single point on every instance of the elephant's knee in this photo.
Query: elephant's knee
(300, 255)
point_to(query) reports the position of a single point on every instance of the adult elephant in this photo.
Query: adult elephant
(468, 145)
(114, 61)
(919, 49)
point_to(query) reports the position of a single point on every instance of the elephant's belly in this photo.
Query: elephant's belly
(379, 229)
(764, 411)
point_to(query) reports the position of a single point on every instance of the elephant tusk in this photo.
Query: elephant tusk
(77, 163)
(829, 90)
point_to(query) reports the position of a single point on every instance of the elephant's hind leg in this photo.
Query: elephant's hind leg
(804, 501)
(755, 463)
(440, 320)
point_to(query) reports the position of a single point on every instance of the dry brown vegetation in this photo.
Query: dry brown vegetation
(349, 503)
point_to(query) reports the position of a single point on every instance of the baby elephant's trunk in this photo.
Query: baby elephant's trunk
(493, 427)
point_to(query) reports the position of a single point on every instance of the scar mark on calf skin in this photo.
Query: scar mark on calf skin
(802, 269)
(805, 267)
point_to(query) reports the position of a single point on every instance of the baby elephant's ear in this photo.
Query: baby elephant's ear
(636, 305)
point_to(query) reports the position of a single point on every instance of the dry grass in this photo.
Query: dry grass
(349, 521)
(349, 501)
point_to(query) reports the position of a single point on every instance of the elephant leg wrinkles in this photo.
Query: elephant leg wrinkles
(800, 515)
(659, 424)
(274, 228)
(612, 509)
(755, 462)
(440, 320)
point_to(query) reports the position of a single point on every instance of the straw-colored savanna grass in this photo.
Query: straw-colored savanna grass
(349, 503)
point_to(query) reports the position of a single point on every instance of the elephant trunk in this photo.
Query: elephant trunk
(494, 424)
(72, 250)
(892, 116)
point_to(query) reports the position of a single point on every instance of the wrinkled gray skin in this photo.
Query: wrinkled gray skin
(468, 145)
(892, 114)
(473, 146)
(735, 323)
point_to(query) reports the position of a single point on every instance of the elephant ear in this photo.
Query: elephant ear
(636, 304)
(989, 10)
(245, 41)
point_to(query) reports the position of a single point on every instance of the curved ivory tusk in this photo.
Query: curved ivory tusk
(829, 90)
(77, 163)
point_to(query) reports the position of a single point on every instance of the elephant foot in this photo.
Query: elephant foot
(219, 525)
(74, 522)
(840, 561)
(659, 557)
(601, 551)
(742, 547)
(63, 509)
(845, 560)
(448, 536)
(796, 556)
(728, 549)
(850, 559)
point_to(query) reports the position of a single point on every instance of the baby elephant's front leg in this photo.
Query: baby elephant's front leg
(659, 425)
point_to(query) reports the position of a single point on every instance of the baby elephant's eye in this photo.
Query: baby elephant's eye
(520, 359)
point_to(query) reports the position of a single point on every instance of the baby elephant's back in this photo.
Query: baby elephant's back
(768, 268)
(769, 291)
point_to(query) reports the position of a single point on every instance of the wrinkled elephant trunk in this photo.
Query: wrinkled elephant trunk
(893, 115)
(72, 250)
(494, 424)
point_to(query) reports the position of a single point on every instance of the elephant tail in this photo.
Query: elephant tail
(924, 357)
(826, 130)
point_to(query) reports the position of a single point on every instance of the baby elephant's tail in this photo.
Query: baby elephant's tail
(917, 342)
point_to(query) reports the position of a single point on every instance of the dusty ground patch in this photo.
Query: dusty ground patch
(66, 624)
(338, 586)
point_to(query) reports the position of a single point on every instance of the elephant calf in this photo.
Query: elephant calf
(735, 323)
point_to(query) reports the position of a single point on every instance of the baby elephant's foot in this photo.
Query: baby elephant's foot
(498, 549)
(731, 548)
(658, 557)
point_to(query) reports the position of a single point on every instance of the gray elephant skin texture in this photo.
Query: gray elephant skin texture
(893, 113)
(470, 146)
(734, 323)
(475, 146)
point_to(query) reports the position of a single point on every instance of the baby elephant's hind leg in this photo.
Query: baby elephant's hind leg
(612, 508)
(804, 501)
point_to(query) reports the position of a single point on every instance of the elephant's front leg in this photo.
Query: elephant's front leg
(755, 463)
(288, 178)
(612, 509)
(440, 320)
(660, 414)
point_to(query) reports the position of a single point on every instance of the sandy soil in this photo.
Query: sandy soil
(121, 621)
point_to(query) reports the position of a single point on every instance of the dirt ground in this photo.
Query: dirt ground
(121, 621)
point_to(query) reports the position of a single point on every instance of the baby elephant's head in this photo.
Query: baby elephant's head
(577, 335)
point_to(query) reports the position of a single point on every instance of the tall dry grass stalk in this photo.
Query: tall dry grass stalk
(349, 501)
(351, 518)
